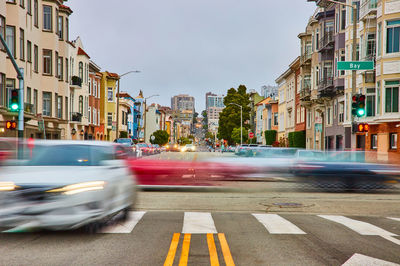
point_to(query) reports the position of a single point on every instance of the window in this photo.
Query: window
(35, 58)
(374, 141)
(328, 116)
(275, 119)
(47, 62)
(341, 112)
(343, 19)
(86, 106)
(109, 118)
(2, 89)
(66, 108)
(2, 30)
(21, 44)
(66, 70)
(60, 29)
(90, 115)
(81, 105)
(36, 13)
(98, 117)
(67, 29)
(29, 6)
(10, 85)
(28, 95)
(81, 70)
(393, 36)
(59, 107)
(393, 141)
(10, 39)
(22, 3)
(47, 18)
(370, 102)
(308, 118)
(378, 97)
(90, 86)
(11, 1)
(392, 99)
(29, 51)
(379, 38)
(35, 101)
(56, 64)
(370, 45)
(46, 104)
(60, 68)
(110, 95)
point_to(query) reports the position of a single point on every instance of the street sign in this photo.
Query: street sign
(355, 65)
(251, 135)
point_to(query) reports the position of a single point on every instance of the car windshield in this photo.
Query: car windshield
(68, 155)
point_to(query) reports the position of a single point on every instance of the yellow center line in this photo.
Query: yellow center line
(172, 250)
(213, 250)
(185, 250)
(225, 250)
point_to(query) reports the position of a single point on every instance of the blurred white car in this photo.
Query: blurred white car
(65, 185)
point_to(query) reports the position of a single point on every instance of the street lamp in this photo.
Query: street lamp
(120, 76)
(145, 116)
(241, 122)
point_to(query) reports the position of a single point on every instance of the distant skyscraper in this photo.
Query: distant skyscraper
(183, 102)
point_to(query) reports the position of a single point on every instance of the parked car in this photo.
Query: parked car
(172, 147)
(145, 149)
(128, 142)
(71, 184)
(188, 147)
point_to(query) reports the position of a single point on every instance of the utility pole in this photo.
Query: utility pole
(20, 76)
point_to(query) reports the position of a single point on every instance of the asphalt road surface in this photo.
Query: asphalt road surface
(255, 223)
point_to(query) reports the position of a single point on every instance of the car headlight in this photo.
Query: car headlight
(7, 186)
(79, 187)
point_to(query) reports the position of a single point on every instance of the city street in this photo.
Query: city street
(247, 223)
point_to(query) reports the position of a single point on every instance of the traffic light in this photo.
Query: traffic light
(14, 104)
(360, 128)
(11, 125)
(354, 105)
(361, 105)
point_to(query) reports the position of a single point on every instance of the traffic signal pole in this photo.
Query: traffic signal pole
(20, 76)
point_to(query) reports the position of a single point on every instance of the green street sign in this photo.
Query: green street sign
(355, 65)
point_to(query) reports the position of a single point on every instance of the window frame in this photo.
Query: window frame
(374, 141)
(13, 52)
(50, 60)
(29, 7)
(35, 58)
(29, 51)
(50, 29)
(391, 98)
(36, 13)
(21, 44)
(60, 30)
(393, 145)
(49, 100)
(387, 36)
(110, 89)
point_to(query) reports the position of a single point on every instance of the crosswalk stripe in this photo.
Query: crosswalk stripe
(198, 223)
(360, 227)
(125, 227)
(275, 224)
(396, 219)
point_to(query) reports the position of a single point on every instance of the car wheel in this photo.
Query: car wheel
(92, 228)
(125, 214)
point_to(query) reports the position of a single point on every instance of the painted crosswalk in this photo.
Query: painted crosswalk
(198, 223)
(127, 226)
(276, 224)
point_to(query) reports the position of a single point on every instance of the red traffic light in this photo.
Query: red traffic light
(11, 125)
(355, 98)
(361, 98)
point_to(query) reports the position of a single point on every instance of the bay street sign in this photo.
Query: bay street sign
(355, 65)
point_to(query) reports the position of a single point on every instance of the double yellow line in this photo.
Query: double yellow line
(212, 249)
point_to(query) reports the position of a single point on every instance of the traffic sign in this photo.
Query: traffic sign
(251, 135)
(355, 65)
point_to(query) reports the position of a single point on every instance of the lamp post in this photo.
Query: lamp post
(119, 78)
(241, 122)
(145, 116)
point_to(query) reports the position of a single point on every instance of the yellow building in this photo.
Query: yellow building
(108, 105)
(282, 88)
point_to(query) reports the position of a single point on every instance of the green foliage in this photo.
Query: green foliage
(229, 118)
(123, 134)
(236, 135)
(184, 141)
(161, 137)
(209, 135)
(270, 136)
(297, 139)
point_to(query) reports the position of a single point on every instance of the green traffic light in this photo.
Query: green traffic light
(360, 112)
(14, 107)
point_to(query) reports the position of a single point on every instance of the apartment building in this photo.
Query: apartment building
(214, 106)
(95, 130)
(282, 89)
(108, 104)
(37, 34)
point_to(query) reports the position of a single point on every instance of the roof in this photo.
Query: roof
(114, 75)
(264, 101)
(65, 8)
(82, 52)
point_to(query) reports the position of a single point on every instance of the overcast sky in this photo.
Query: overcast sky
(191, 46)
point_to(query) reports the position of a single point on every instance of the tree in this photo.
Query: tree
(270, 136)
(184, 141)
(236, 135)
(229, 118)
(205, 119)
(195, 115)
(161, 137)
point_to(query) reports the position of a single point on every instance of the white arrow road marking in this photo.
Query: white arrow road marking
(125, 227)
(396, 219)
(362, 228)
(359, 259)
(198, 223)
(275, 224)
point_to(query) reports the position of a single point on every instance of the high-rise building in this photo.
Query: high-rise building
(214, 105)
(182, 102)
